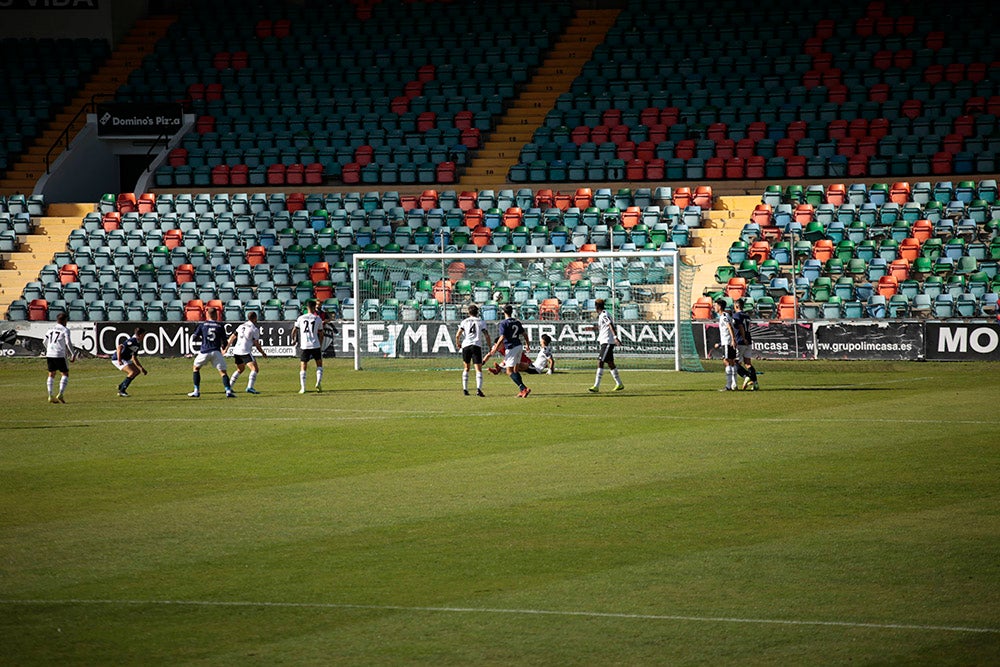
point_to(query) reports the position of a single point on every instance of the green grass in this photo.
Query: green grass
(848, 512)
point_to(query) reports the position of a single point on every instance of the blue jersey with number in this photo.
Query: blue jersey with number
(130, 348)
(511, 329)
(212, 335)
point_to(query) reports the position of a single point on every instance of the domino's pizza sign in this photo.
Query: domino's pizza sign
(962, 342)
(149, 120)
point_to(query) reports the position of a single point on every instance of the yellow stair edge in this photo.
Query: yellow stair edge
(69, 210)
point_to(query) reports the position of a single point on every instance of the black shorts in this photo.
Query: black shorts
(57, 365)
(472, 354)
(729, 352)
(242, 359)
(312, 354)
(607, 353)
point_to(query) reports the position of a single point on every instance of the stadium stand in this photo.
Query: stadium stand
(186, 251)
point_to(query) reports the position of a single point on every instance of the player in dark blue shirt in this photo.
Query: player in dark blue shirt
(744, 346)
(510, 336)
(214, 341)
(126, 359)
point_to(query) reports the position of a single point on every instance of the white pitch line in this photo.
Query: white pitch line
(521, 612)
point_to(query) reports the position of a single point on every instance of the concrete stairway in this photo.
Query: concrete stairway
(720, 229)
(587, 29)
(22, 176)
(36, 250)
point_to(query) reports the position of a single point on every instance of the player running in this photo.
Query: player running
(509, 338)
(126, 359)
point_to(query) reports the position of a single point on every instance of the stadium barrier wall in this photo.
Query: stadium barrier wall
(861, 340)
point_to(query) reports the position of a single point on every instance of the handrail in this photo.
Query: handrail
(165, 138)
(65, 134)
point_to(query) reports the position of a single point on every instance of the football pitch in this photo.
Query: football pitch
(849, 512)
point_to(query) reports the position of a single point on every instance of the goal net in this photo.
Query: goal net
(409, 305)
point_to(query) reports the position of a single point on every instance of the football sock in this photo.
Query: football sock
(251, 379)
(234, 376)
(753, 373)
(197, 380)
(479, 380)
(63, 381)
(614, 374)
(740, 371)
(465, 379)
(319, 375)
(597, 378)
(516, 377)
(125, 383)
(302, 380)
(49, 381)
(225, 382)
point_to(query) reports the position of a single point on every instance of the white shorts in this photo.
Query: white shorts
(120, 365)
(512, 356)
(214, 358)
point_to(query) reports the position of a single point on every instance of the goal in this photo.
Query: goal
(408, 305)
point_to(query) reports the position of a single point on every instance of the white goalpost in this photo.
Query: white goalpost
(408, 305)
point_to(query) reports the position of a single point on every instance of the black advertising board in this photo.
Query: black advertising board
(139, 119)
(962, 341)
(771, 340)
(869, 340)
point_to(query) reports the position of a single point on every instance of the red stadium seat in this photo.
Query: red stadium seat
(276, 174)
(703, 197)
(68, 273)
(194, 311)
(715, 168)
(787, 307)
(295, 174)
(319, 271)
(220, 175)
(146, 203)
(702, 308)
(314, 174)
(38, 310)
(173, 238)
(899, 192)
(513, 217)
(755, 167)
(184, 273)
(445, 172)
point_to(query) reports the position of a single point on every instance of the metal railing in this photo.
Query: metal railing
(64, 136)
